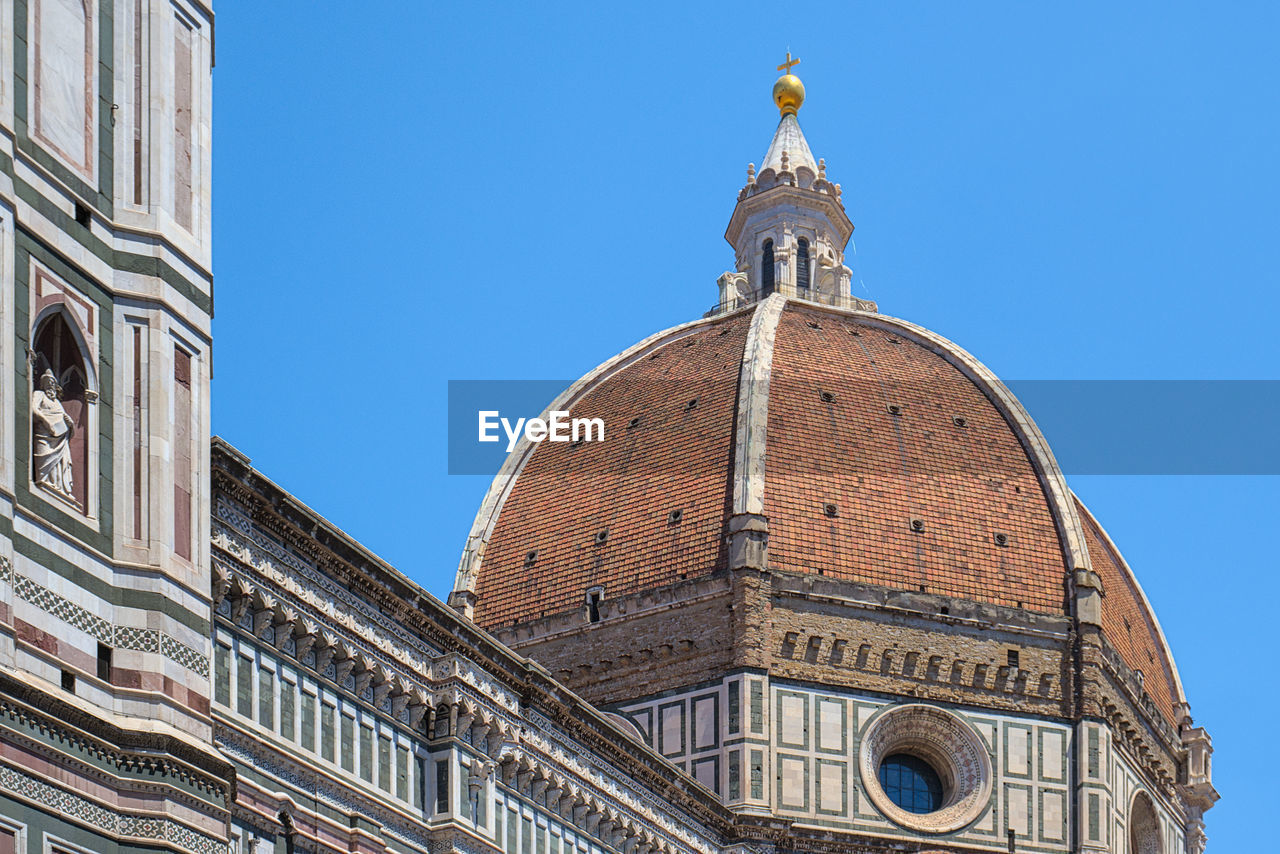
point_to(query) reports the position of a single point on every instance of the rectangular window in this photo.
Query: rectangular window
(497, 822)
(384, 763)
(348, 736)
(757, 707)
(222, 674)
(8, 841)
(732, 705)
(138, 66)
(442, 786)
(513, 828)
(420, 775)
(183, 122)
(366, 753)
(757, 775)
(482, 815)
(266, 698)
(104, 662)
(244, 686)
(327, 715)
(735, 774)
(540, 840)
(402, 773)
(526, 832)
(137, 390)
(287, 692)
(308, 722)
(182, 453)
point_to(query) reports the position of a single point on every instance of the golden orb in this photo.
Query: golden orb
(788, 94)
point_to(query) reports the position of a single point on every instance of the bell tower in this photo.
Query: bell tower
(106, 307)
(789, 228)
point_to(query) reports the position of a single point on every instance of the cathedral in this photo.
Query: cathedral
(822, 588)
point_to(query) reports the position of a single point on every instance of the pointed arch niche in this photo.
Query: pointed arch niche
(1144, 826)
(61, 349)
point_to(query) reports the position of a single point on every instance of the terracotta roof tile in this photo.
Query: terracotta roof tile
(678, 457)
(967, 482)
(882, 469)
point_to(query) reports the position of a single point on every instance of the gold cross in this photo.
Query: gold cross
(785, 67)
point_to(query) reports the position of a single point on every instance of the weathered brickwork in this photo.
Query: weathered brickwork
(916, 645)
(893, 524)
(1110, 692)
(820, 555)
(665, 638)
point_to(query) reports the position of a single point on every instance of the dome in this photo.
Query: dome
(821, 545)
(868, 448)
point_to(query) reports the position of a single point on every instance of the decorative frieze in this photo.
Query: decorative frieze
(312, 589)
(106, 820)
(120, 637)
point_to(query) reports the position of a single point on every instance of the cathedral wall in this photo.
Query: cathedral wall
(794, 750)
(360, 720)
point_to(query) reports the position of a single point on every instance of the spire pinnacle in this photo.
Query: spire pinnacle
(788, 91)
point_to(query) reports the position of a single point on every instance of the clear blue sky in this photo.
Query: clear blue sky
(410, 193)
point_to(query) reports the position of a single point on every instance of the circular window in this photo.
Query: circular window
(911, 783)
(925, 768)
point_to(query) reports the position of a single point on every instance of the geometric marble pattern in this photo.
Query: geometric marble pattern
(121, 637)
(62, 608)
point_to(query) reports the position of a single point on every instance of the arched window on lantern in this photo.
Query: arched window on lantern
(61, 388)
(804, 277)
(766, 269)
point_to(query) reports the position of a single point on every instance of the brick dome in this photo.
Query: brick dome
(870, 449)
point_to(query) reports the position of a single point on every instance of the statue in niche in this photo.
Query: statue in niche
(60, 402)
(52, 431)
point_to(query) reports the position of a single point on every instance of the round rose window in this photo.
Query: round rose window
(925, 768)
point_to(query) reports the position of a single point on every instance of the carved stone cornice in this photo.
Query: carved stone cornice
(128, 749)
(1109, 693)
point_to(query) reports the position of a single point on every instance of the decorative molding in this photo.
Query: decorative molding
(79, 809)
(236, 534)
(160, 756)
(753, 407)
